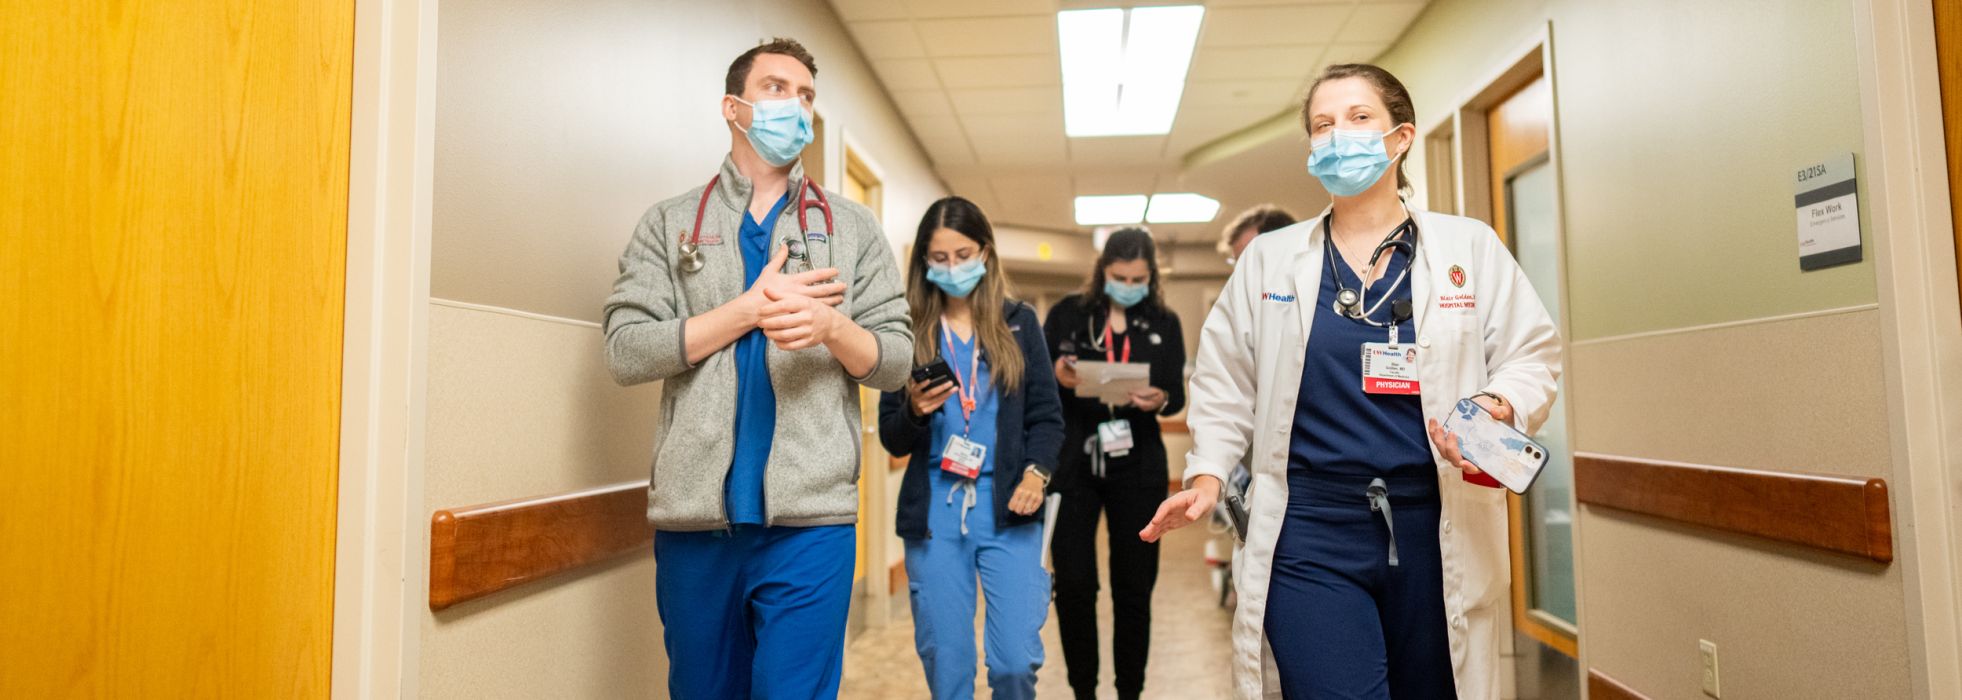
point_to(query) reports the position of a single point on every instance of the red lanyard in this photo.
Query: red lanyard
(1109, 354)
(967, 390)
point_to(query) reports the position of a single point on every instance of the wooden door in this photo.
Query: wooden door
(1523, 206)
(1948, 53)
(173, 219)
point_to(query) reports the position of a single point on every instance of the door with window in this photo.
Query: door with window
(1525, 213)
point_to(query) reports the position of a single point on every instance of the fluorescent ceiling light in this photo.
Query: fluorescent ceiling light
(1110, 209)
(1124, 70)
(1181, 208)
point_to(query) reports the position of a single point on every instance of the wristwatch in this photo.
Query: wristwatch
(1040, 471)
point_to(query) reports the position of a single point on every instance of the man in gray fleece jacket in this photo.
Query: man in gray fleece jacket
(761, 302)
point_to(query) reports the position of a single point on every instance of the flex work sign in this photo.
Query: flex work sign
(1828, 214)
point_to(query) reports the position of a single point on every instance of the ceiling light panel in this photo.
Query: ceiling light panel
(1124, 70)
(1104, 210)
(1181, 208)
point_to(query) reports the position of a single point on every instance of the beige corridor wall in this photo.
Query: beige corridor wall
(558, 122)
(1694, 336)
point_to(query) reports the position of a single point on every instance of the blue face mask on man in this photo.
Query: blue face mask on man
(778, 129)
(957, 281)
(1125, 295)
(1349, 161)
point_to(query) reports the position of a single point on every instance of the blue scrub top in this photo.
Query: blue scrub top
(947, 421)
(1339, 429)
(756, 399)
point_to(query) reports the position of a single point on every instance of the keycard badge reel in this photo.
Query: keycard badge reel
(1512, 458)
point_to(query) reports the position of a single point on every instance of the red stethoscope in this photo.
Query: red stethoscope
(691, 246)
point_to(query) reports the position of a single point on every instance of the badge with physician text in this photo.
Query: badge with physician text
(1389, 369)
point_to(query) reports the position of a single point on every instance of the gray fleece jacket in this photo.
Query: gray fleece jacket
(812, 474)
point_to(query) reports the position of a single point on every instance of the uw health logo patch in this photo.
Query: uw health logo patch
(1457, 276)
(1282, 298)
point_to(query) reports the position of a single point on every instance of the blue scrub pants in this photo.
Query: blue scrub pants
(1342, 622)
(754, 611)
(941, 571)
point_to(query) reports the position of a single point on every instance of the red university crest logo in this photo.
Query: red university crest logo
(1457, 276)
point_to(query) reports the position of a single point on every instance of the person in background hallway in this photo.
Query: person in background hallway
(1233, 242)
(1120, 317)
(1234, 239)
(760, 301)
(1376, 560)
(971, 502)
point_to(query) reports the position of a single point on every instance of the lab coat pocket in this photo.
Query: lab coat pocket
(1484, 544)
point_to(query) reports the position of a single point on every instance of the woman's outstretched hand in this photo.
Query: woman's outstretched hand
(1183, 508)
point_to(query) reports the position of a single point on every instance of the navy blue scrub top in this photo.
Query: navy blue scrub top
(1339, 429)
(756, 399)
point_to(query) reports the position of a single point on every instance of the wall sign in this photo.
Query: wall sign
(1828, 214)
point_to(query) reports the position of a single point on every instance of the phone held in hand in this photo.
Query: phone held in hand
(935, 374)
(1498, 449)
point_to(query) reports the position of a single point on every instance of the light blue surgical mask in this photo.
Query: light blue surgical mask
(957, 281)
(778, 129)
(1126, 295)
(1349, 161)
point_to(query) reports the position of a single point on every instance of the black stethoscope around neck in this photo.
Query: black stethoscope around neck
(691, 245)
(1353, 303)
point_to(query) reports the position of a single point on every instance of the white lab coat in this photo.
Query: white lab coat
(1481, 328)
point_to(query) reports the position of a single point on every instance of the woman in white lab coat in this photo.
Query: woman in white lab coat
(1375, 555)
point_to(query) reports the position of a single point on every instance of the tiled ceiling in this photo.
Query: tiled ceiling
(980, 82)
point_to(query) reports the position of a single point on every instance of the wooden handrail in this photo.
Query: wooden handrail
(478, 550)
(1602, 687)
(1844, 514)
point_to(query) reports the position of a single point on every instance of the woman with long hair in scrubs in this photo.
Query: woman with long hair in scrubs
(982, 436)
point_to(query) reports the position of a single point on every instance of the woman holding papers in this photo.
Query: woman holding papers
(1113, 458)
(1376, 559)
(982, 425)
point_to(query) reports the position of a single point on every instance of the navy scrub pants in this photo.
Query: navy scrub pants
(1341, 621)
(754, 612)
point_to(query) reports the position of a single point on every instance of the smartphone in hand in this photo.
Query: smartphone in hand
(935, 374)
(1512, 458)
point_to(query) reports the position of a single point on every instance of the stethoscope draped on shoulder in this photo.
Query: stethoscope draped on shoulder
(779, 131)
(691, 244)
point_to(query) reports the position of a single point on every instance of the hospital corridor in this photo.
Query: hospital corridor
(950, 349)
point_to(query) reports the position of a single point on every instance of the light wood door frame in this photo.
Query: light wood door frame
(1508, 151)
(1901, 92)
(872, 582)
(380, 590)
(1467, 185)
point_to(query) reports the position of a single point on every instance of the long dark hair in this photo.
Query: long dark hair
(985, 302)
(1125, 245)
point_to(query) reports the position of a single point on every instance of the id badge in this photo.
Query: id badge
(1115, 437)
(963, 457)
(1389, 369)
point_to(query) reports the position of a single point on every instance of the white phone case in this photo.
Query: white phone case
(1511, 457)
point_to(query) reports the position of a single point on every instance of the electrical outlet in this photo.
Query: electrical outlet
(1710, 685)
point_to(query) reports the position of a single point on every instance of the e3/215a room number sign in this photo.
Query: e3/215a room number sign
(1828, 202)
